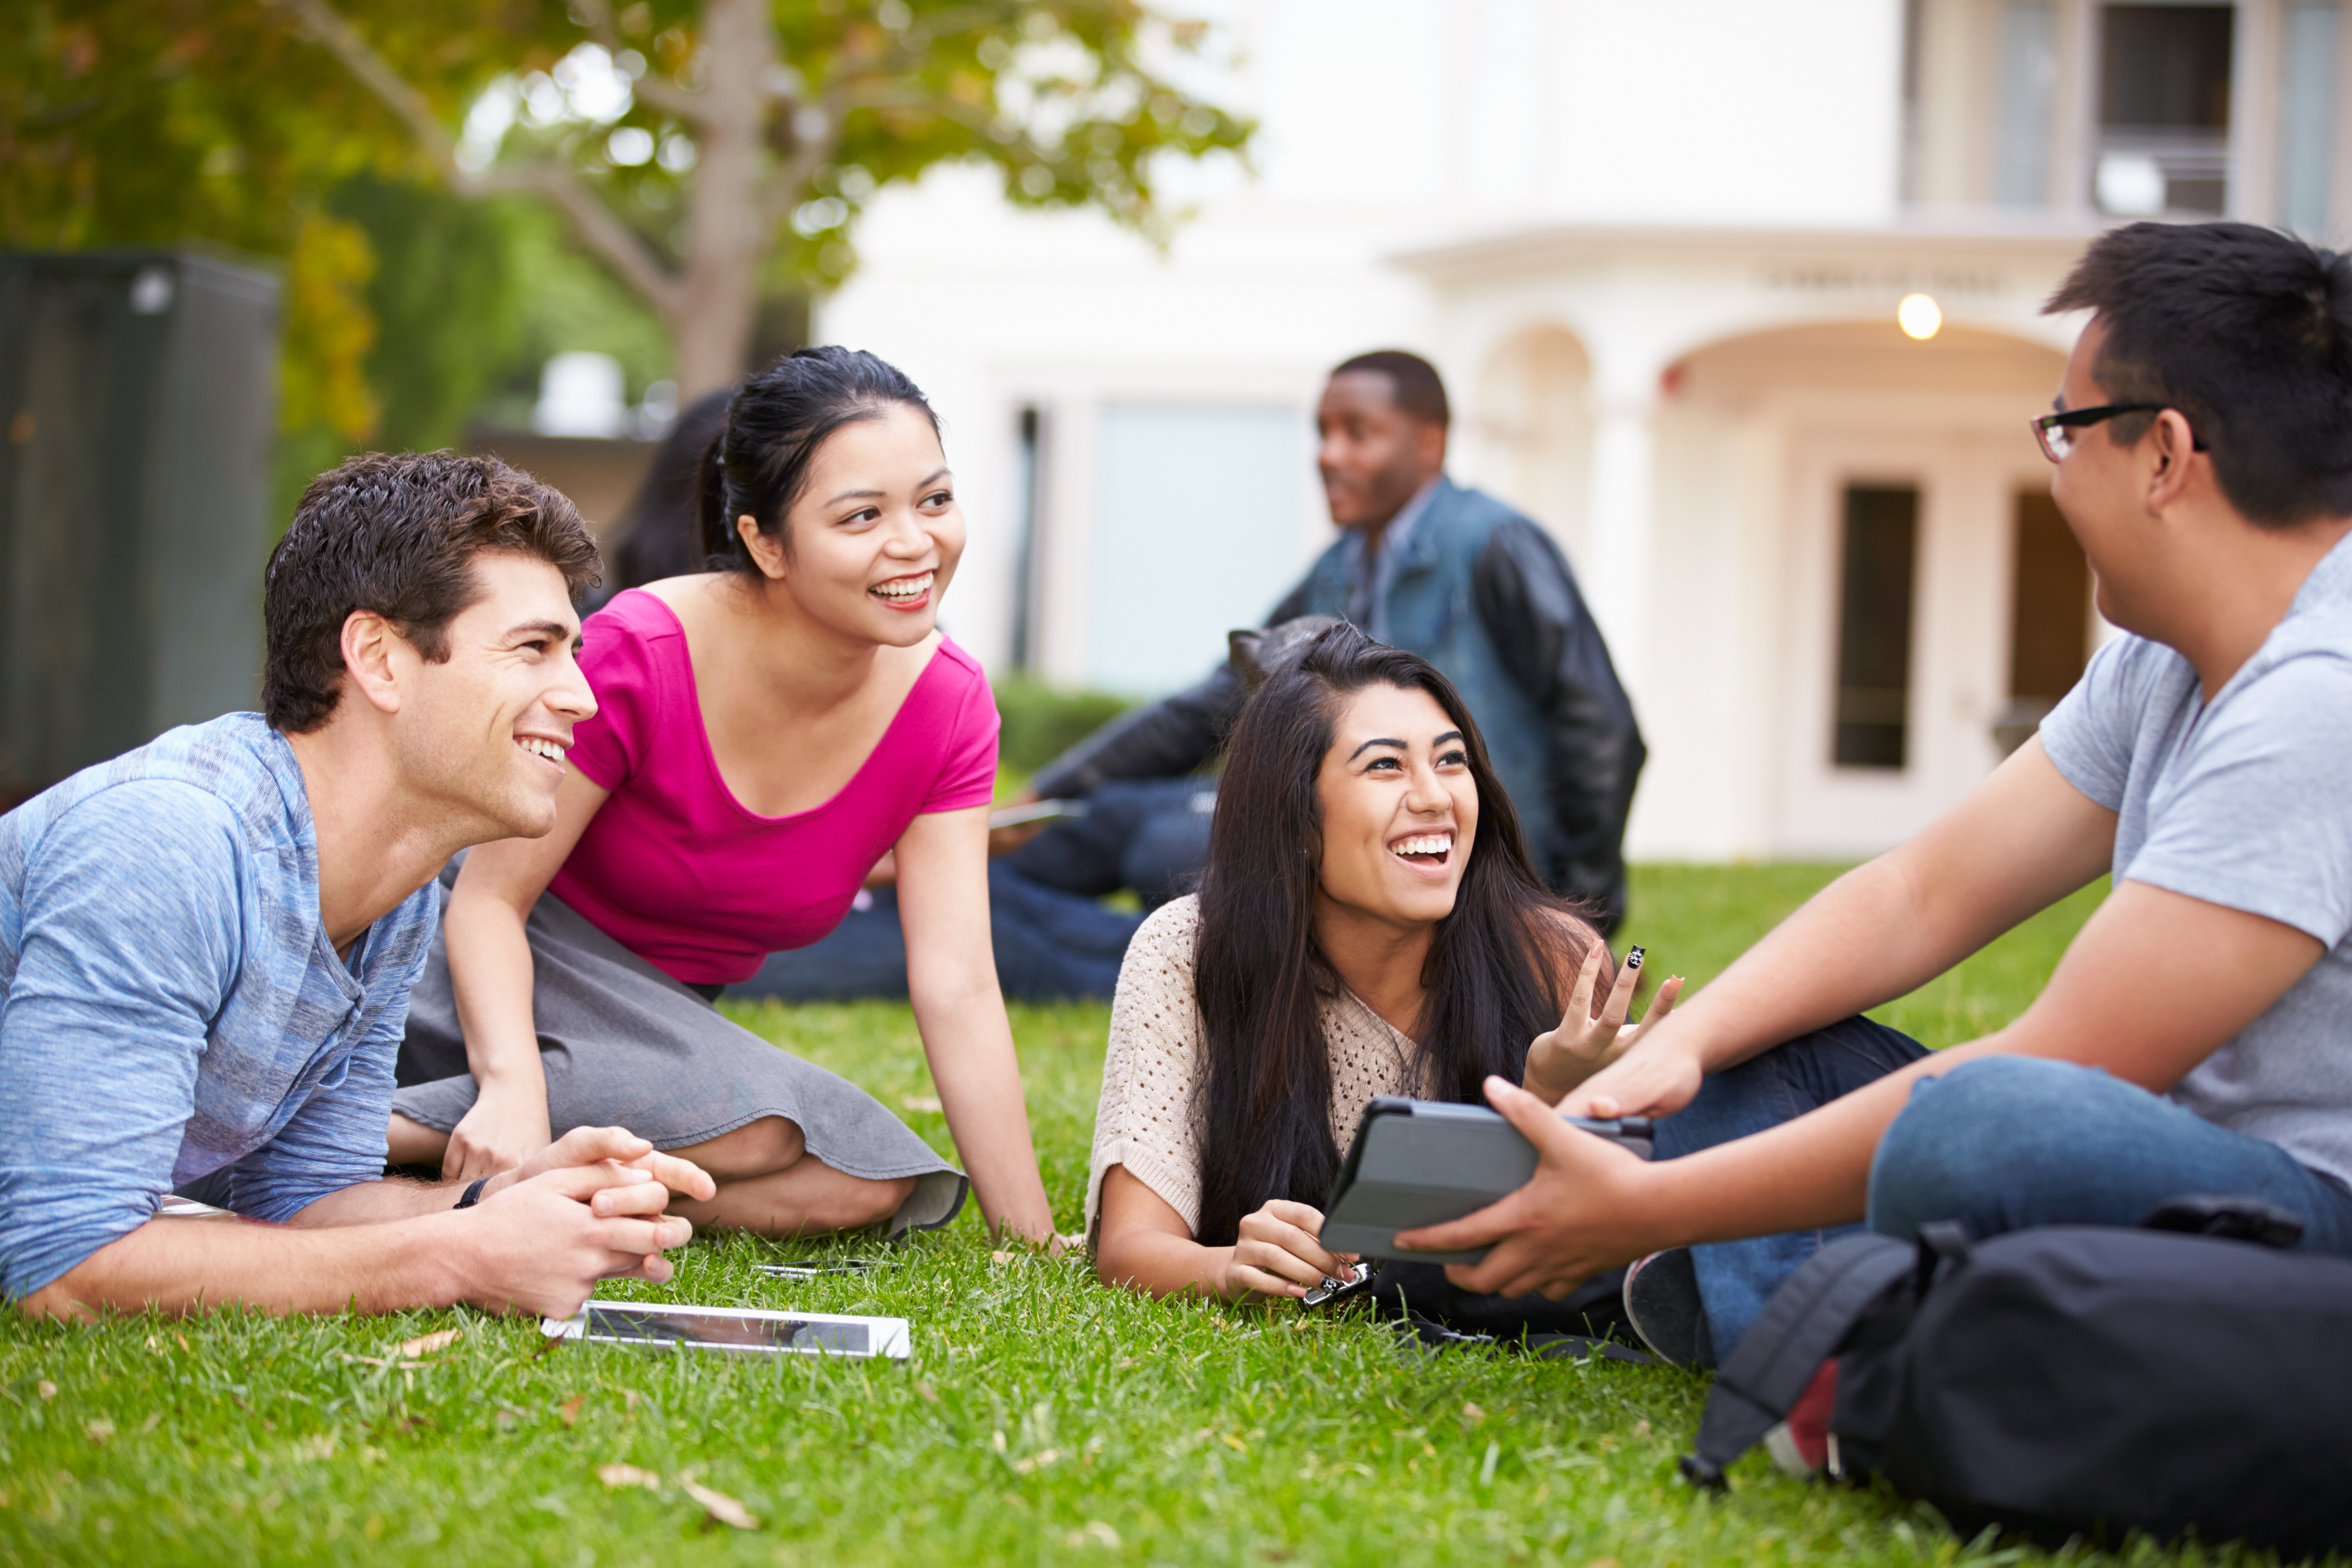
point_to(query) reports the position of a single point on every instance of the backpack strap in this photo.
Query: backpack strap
(1801, 1327)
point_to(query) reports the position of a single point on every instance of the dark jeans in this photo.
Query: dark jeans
(1999, 1144)
(1149, 834)
(1050, 946)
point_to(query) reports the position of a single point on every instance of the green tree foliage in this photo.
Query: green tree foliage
(704, 147)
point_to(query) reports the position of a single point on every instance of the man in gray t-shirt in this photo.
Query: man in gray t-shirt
(2197, 1037)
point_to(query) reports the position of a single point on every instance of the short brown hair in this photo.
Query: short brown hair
(396, 534)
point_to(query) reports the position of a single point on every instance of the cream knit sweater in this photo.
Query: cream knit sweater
(1148, 1120)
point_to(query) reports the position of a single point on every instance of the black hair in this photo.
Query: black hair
(2248, 333)
(1414, 384)
(658, 534)
(397, 534)
(1493, 972)
(760, 463)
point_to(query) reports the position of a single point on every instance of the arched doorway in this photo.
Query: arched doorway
(1864, 576)
(1531, 430)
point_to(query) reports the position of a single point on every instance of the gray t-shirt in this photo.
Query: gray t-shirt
(2245, 803)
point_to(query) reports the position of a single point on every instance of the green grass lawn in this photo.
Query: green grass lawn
(1042, 1419)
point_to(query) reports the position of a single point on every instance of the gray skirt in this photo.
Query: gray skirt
(624, 1045)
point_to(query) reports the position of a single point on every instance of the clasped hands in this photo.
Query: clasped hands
(589, 1207)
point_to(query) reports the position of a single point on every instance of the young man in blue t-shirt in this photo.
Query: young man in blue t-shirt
(2194, 1038)
(206, 944)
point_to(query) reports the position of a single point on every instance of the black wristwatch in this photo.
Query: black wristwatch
(473, 1192)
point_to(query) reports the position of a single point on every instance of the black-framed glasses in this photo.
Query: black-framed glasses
(2056, 431)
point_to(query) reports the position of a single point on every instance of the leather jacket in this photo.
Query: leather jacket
(1486, 596)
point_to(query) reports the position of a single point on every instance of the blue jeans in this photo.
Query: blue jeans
(1999, 1144)
(1150, 835)
(1050, 946)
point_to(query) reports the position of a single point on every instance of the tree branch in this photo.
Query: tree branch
(557, 183)
(679, 102)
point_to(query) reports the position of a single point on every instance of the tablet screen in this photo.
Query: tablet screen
(746, 1330)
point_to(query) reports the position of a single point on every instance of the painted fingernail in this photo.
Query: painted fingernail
(1633, 959)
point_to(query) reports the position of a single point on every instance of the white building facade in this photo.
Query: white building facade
(1658, 252)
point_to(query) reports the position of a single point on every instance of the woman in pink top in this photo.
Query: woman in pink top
(763, 735)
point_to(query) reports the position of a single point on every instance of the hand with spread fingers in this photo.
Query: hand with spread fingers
(1278, 1254)
(1587, 1040)
(1579, 1214)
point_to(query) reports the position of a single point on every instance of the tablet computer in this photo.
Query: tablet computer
(671, 1324)
(1425, 1162)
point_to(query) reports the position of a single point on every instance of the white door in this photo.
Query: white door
(1897, 655)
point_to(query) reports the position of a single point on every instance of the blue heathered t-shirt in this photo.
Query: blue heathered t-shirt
(2244, 802)
(170, 1003)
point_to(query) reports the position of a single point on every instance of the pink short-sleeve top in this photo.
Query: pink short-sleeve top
(678, 870)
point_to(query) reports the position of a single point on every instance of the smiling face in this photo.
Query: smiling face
(1372, 455)
(876, 533)
(483, 733)
(1399, 807)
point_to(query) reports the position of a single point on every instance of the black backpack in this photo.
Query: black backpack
(2072, 1381)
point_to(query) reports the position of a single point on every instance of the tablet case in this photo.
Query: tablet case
(1425, 1162)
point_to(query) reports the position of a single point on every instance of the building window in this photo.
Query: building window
(1199, 520)
(2164, 109)
(2027, 104)
(1031, 481)
(1878, 566)
(2308, 117)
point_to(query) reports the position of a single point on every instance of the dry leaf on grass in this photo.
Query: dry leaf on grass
(617, 1476)
(1471, 1412)
(1035, 1461)
(423, 1345)
(719, 1505)
(928, 1395)
(999, 1258)
(1096, 1533)
(100, 1431)
(569, 1408)
(922, 1102)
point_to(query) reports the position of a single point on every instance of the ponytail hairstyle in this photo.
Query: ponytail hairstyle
(760, 463)
(1497, 971)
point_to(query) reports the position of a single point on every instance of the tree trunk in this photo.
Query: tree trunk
(710, 329)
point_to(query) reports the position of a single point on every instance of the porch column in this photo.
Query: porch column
(1619, 534)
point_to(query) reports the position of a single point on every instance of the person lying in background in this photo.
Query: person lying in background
(764, 732)
(1368, 924)
(206, 945)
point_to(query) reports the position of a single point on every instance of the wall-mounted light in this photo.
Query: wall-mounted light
(1919, 317)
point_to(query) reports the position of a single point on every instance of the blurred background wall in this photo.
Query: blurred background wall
(1740, 302)
(1660, 253)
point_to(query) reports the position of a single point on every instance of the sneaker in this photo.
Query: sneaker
(1800, 1445)
(1662, 1301)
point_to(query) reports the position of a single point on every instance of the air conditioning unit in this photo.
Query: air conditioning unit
(138, 402)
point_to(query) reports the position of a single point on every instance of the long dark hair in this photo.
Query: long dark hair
(1495, 966)
(760, 463)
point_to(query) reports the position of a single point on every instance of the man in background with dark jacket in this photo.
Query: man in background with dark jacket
(1449, 574)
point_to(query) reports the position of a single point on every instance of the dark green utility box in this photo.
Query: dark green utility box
(138, 396)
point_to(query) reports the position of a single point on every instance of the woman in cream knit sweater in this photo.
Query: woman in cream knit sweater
(1367, 924)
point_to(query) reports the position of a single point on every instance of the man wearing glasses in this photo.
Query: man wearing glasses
(2194, 1038)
